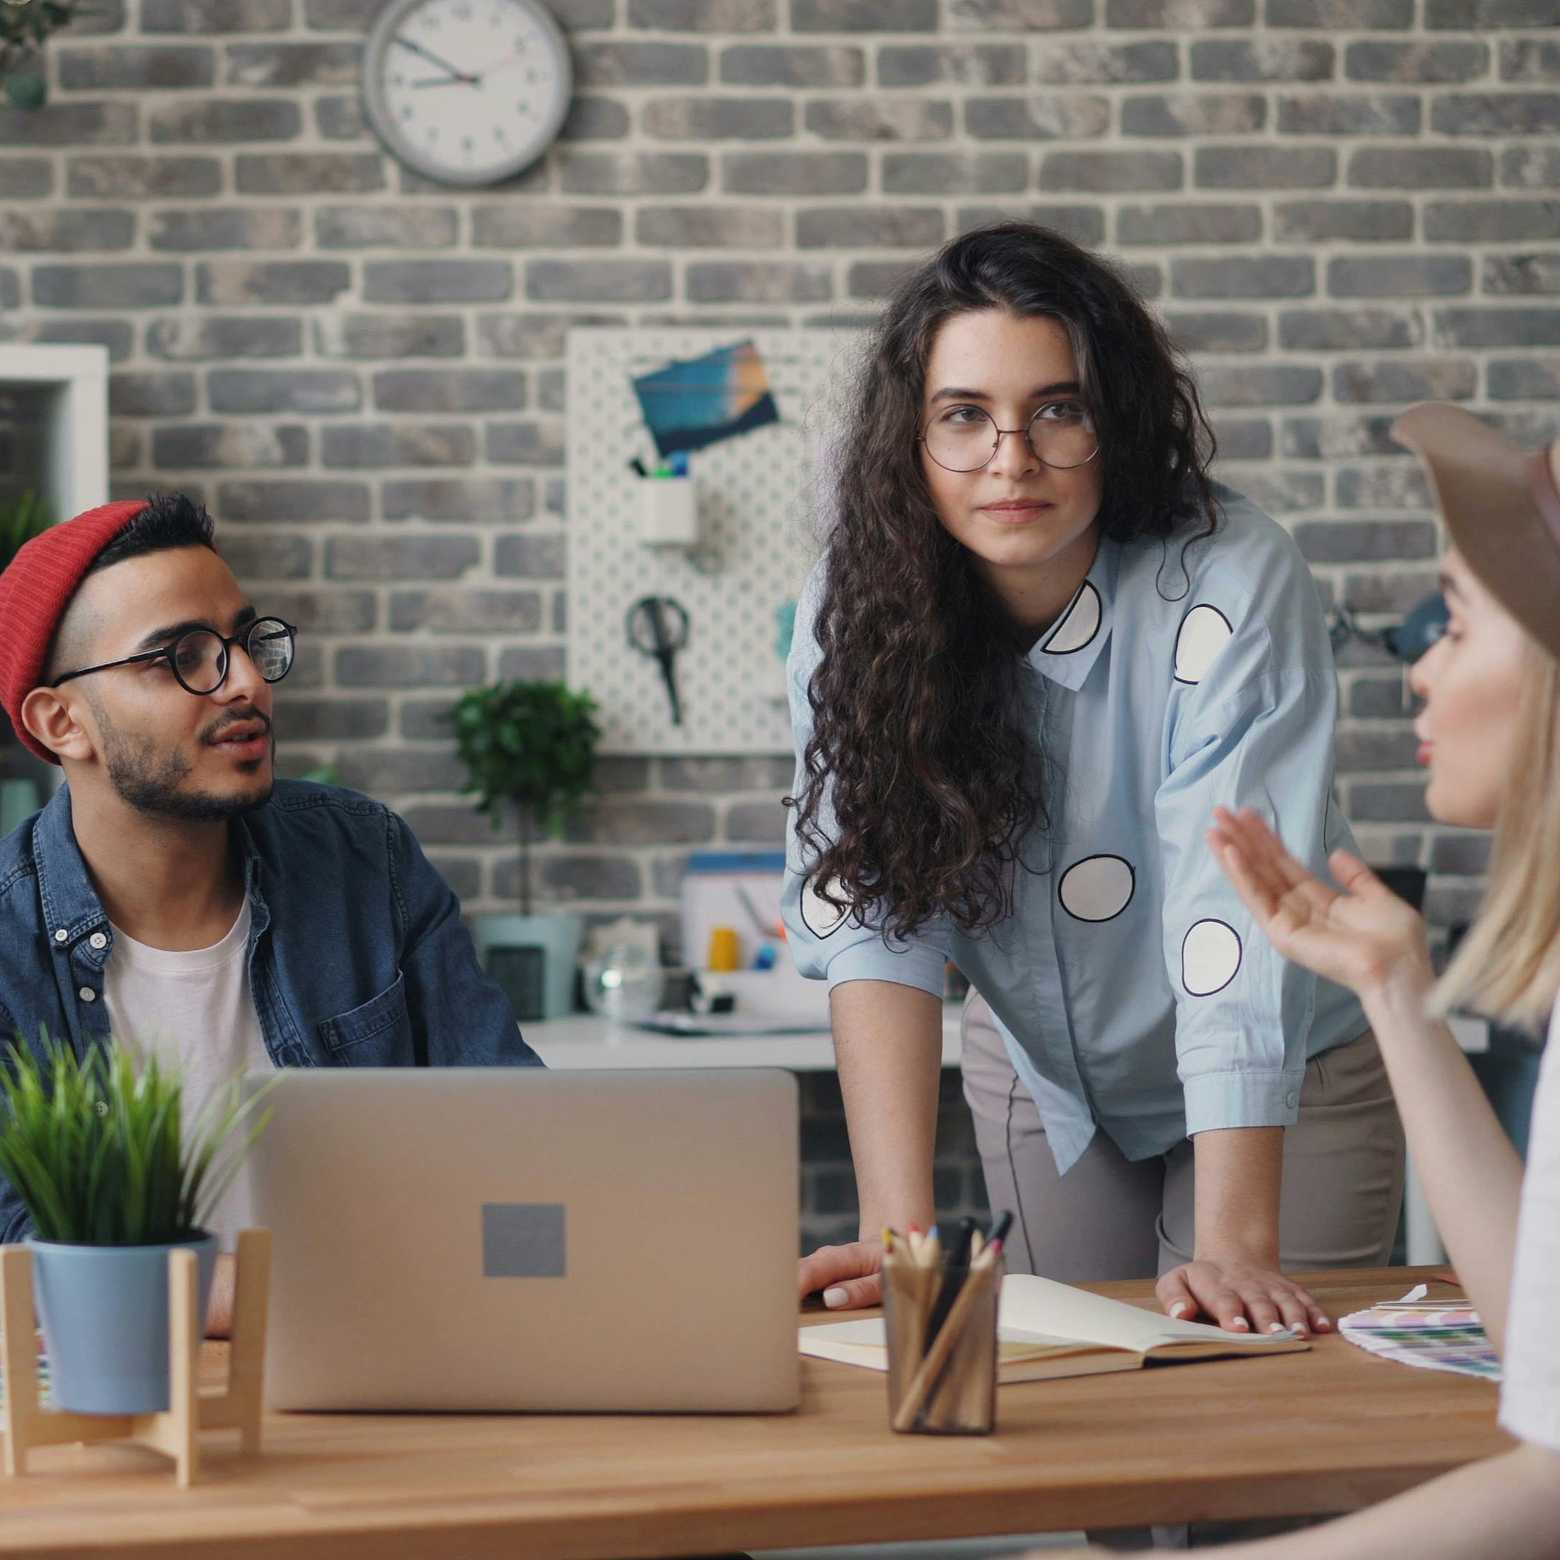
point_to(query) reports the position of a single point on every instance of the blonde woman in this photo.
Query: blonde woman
(1490, 734)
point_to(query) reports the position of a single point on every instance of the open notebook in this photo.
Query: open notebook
(1047, 1329)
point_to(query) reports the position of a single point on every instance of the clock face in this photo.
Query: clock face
(466, 91)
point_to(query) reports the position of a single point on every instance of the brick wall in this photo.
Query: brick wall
(1341, 206)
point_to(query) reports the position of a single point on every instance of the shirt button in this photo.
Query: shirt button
(61, 935)
(87, 994)
(1291, 1099)
(98, 940)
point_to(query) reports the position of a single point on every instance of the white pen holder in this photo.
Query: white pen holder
(668, 512)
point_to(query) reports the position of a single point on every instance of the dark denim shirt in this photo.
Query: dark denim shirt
(357, 953)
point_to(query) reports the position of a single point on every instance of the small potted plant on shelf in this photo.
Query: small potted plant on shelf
(114, 1179)
(529, 748)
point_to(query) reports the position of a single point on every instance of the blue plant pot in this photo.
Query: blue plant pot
(557, 936)
(104, 1311)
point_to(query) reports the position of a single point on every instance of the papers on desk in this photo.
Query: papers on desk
(767, 1002)
(1046, 1330)
(1430, 1334)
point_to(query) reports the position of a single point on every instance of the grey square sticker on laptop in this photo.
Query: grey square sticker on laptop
(523, 1240)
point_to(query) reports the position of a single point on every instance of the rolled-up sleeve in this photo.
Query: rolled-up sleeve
(829, 942)
(1255, 730)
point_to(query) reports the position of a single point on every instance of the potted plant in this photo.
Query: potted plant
(529, 748)
(22, 777)
(97, 1150)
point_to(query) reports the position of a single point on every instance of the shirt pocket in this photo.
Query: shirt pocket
(376, 1034)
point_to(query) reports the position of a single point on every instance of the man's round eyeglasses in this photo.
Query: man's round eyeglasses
(1060, 434)
(200, 658)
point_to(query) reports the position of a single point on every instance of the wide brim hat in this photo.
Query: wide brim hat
(1502, 509)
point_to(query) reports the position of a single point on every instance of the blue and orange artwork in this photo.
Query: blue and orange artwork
(692, 403)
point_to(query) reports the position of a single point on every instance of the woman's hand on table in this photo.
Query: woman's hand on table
(849, 1276)
(1240, 1296)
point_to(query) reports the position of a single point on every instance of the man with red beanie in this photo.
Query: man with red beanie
(174, 893)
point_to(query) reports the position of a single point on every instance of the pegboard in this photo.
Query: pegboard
(756, 497)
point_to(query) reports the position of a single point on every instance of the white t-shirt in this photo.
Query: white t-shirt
(1530, 1391)
(193, 1010)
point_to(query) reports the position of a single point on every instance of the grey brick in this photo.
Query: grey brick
(1523, 380)
(1430, 379)
(1330, 114)
(1357, 221)
(883, 119)
(1483, 14)
(531, 663)
(645, 820)
(1432, 62)
(1496, 113)
(235, 283)
(128, 285)
(364, 558)
(70, 124)
(408, 666)
(1243, 276)
(130, 177)
(1491, 221)
(225, 120)
(339, 15)
(1193, 113)
(1109, 64)
(1217, 331)
(961, 64)
(757, 281)
(1348, 330)
(309, 173)
(385, 227)
(873, 227)
(237, 445)
(437, 281)
(632, 173)
(1530, 59)
(638, 64)
(715, 776)
(340, 118)
(475, 499)
(1283, 493)
(388, 771)
(876, 278)
(293, 64)
(1179, 16)
(287, 501)
(1420, 168)
(107, 16)
(571, 876)
(310, 391)
(866, 16)
(65, 231)
(527, 226)
(376, 445)
(1362, 749)
(1378, 698)
(25, 178)
(151, 395)
(331, 720)
(1398, 276)
(1082, 224)
(1265, 167)
(1506, 275)
(687, 118)
(1341, 15)
(116, 335)
(1378, 801)
(704, 16)
(1463, 855)
(1261, 59)
(215, 16)
(454, 823)
(598, 281)
(200, 338)
(710, 227)
(533, 335)
(756, 823)
(1043, 117)
(125, 446)
(449, 390)
(793, 65)
(205, 228)
(1365, 541)
(1188, 223)
(1399, 486)
(343, 335)
(1510, 327)
(1021, 15)
(461, 610)
(276, 556)
(1267, 384)
(1110, 173)
(1243, 438)
(524, 444)
(538, 556)
(797, 173)
(1388, 590)
(147, 67)
(1531, 167)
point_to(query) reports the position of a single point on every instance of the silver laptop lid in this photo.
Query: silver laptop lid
(512, 1238)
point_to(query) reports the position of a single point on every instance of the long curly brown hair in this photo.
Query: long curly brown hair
(918, 750)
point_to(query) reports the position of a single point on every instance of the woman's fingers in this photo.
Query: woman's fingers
(854, 1293)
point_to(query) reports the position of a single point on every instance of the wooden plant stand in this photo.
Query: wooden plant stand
(174, 1431)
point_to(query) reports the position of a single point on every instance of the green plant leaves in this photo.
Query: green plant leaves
(23, 518)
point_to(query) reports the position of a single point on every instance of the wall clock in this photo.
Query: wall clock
(466, 91)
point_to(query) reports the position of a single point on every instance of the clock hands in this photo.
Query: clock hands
(432, 58)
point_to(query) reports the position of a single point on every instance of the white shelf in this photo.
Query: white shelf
(72, 383)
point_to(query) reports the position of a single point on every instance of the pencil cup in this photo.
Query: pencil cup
(942, 1379)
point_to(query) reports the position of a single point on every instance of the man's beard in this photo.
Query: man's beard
(150, 781)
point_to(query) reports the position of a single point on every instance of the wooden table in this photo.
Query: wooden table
(1323, 1431)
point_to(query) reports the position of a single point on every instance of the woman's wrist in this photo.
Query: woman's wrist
(1399, 995)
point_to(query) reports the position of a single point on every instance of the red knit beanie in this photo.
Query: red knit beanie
(34, 593)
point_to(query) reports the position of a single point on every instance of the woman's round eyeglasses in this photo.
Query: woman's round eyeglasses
(1060, 434)
(200, 657)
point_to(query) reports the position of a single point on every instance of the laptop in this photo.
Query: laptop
(494, 1239)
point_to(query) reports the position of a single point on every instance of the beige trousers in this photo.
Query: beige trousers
(1110, 1217)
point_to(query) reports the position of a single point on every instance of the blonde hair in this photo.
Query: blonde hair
(1509, 963)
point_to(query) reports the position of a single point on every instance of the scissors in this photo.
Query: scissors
(658, 628)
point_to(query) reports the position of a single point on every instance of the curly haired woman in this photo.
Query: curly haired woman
(1040, 649)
